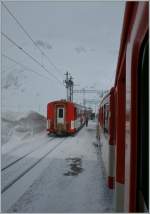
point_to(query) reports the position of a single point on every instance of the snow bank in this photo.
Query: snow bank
(21, 125)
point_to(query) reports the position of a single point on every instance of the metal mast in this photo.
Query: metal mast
(69, 86)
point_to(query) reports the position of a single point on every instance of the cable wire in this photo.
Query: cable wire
(29, 36)
(21, 48)
(24, 66)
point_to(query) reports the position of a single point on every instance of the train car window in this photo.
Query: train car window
(75, 112)
(61, 113)
(106, 118)
(143, 135)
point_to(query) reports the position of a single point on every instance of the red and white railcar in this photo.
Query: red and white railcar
(64, 117)
(131, 89)
(106, 123)
(128, 122)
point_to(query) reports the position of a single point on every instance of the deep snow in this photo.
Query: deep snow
(17, 126)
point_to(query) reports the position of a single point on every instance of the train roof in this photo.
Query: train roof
(105, 98)
(66, 101)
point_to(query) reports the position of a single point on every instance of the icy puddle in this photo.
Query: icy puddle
(74, 166)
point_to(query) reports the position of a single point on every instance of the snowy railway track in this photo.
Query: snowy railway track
(46, 152)
(25, 155)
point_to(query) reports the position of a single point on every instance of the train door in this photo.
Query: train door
(60, 115)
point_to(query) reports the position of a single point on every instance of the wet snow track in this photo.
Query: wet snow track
(26, 154)
(9, 176)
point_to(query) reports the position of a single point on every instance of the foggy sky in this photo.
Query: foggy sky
(80, 37)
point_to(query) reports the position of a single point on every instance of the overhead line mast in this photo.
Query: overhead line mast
(88, 91)
(69, 86)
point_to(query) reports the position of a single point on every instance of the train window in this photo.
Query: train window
(75, 112)
(61, 113)
(106, 118)
(143, 142)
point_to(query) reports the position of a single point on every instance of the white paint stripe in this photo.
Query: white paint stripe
(48, 124)
(111, 161)
(119, 197)
(72, 124)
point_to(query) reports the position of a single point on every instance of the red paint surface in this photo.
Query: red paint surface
(135, 27)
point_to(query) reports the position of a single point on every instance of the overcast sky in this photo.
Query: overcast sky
(81, 37)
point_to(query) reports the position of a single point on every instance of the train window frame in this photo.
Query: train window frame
(61, 113)
(143, 128)
(106, 118)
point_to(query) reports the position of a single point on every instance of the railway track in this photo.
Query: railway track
(25, 155)
(13, 148)
(19, 176)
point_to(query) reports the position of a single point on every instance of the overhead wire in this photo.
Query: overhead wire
(29, 36)
(29, 55)
(24, 66)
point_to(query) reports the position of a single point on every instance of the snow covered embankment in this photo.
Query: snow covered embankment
(19, 126)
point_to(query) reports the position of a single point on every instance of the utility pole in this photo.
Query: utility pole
(71, 83)
(66, 82)
(69, 86)
(84, 101)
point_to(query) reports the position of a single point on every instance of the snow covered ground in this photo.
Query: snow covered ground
(18, 126)
(68, 178)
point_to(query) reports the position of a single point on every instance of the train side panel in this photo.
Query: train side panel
(131, 185)
(104, 134)
(139, 25)
(70, 118)
(50, 117)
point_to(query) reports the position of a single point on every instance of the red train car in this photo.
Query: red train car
(64, 117)
(104, 112)
(106, 122)
(128, 122)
